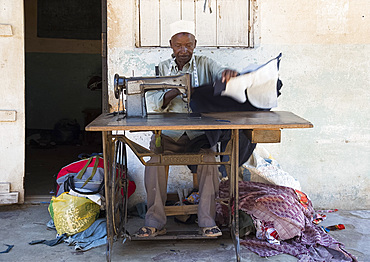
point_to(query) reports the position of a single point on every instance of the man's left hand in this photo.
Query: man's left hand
(227, 74)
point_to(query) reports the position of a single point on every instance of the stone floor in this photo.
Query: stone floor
(21, 224)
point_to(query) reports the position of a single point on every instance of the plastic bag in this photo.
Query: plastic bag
(262, 167)
(72, 214)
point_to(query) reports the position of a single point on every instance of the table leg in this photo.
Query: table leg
(116, 189)
(107, 146)
(234, 192)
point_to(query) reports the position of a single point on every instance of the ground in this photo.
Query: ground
(20, 224)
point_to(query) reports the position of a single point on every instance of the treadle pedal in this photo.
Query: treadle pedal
(175, 235)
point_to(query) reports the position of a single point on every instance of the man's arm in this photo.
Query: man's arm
(159, 100)
(220, 72)
(169, 96)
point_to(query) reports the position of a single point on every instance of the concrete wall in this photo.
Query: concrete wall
(12, 94)
(325, 70)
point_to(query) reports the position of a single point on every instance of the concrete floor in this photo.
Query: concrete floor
(24, 223)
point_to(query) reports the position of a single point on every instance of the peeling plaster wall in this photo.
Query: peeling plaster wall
(325, 70)
(12, 94)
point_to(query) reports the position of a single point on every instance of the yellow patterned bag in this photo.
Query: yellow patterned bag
(72, 214)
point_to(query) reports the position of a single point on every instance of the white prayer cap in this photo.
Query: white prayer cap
(182, 26)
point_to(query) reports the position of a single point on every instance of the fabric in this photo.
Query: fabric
(53, 242)
(208, 71)
(96, 198)
(182, 26)
(156, 186)
(258, 83)
(94, 236)
(280, 206)
(9, 247)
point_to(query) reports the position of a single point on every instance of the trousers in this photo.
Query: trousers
(156, 185)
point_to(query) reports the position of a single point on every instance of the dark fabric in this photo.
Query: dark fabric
(246, 147)
(246, 225)
(208, 98)
(9, 247)
(53, 242)
(203, 100)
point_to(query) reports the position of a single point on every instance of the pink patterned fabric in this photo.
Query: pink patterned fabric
(292, 220)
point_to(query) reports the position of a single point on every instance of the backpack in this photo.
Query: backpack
(86, 174)
(83, 174)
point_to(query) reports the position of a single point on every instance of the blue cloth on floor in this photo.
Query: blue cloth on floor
(94, 236)
(50, 243)
(8, 249)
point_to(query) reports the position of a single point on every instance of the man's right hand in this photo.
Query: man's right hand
(227, 74)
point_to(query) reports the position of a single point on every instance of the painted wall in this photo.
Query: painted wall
(325, 70)
(12, 94)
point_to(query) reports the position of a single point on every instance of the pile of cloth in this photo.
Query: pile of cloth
(279, 220)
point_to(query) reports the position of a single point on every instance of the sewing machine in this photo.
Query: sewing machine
(134, 89)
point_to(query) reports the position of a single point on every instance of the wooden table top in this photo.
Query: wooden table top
(266, 120)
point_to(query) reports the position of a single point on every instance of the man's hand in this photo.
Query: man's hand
(227, 74)
(169, 95)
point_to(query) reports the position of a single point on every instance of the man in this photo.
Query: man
(203, 71)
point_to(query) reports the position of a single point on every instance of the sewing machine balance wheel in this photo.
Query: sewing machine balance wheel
(119, 84)
(117, 194)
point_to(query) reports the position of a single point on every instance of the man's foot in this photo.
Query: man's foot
(214, 231)
(150, 232)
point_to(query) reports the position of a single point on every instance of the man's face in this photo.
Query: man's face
(183, 45)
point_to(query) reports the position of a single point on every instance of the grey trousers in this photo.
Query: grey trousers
(155, 185)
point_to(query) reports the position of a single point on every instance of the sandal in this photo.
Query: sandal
(150, 232)
(214, 231)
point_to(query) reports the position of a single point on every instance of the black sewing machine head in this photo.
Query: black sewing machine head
(134, 89)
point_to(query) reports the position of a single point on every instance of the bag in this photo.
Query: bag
(262, 167)
(86, 174)
(69, 177)
(72, 214)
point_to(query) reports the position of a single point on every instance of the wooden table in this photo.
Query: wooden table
(261, 127)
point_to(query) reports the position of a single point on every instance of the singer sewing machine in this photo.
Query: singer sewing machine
(135, 89)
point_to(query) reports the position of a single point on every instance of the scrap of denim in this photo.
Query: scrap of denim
(94, 236)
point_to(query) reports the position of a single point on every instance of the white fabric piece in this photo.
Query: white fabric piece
(260, 85)
(97, 198)
(182, 26)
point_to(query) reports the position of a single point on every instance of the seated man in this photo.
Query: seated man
(203, 71)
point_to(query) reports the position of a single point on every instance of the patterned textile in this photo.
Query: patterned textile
(292, 220)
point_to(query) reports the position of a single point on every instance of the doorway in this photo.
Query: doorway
(64, 76)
